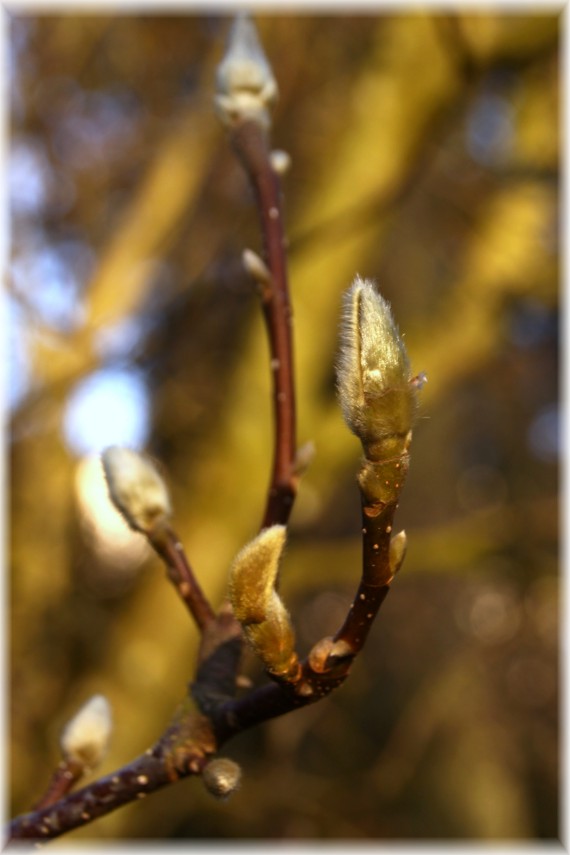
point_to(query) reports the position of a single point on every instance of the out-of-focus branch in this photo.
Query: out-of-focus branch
(166, 544)
(63, 780)
(139, 493)
(246, 89)
(183, 750)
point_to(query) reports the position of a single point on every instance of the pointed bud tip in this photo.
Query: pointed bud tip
(373, 374)
(245, 86)
(253, 574)
(257, 605)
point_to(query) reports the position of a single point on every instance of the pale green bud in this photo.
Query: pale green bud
(245, 85)
(136, 488)
(257, 605)
(377, 396)
(86, 736)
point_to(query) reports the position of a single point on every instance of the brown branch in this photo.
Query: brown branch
(183, 750)
(375, 582)
(167, 545)
(249, 141)
(187, 745)
(193, 738)
(64, 778)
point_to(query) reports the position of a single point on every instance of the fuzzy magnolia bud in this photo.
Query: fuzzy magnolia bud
(377, 398)
(136, 488)
(245, 86)
(257, 605)
(222, 777)
(86, 736)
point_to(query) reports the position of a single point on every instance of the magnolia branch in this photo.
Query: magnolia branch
(250, 143)
(378, 398)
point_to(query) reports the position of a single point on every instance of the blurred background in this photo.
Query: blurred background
(425, 151)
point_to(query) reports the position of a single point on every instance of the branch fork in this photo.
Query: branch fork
(378, 397)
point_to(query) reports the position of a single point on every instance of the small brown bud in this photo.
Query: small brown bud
(222, 777)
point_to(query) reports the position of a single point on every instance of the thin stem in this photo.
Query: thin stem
(375, 581)
(250, 143)
(64, 778)
(168, 546)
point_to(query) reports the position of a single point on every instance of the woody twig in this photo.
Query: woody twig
(378, 398)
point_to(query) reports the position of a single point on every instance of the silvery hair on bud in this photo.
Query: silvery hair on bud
(373, 371)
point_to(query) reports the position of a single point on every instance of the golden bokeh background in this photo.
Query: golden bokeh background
(425, 154)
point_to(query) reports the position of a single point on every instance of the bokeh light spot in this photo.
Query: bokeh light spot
(110, 407)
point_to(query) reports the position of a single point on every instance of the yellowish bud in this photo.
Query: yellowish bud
(257, 605)
(245, 85)
(377, 398)
(136, 488)
(86, 736)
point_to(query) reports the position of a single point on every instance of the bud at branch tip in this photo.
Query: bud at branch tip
(136, 488)
(245, 85)
(86, 736)
(377, 398)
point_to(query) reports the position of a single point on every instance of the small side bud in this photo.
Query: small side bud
(280, 161)
(304, 457)
(257, 605)
(222, 777)
(245, 85)
(327, 654)
(256, 267)
(136, 488)
(377, 398)
(86, 736)
(398, 547)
